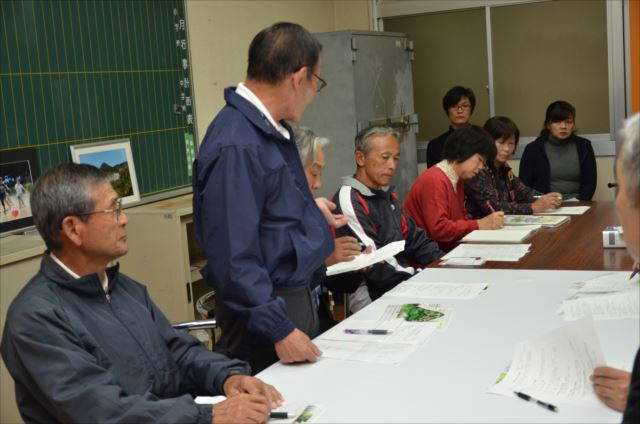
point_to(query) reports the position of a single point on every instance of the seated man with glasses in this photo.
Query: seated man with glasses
(458, 105)
(85, 343)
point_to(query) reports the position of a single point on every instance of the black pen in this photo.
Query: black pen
(280, 415)
(528, 398)
(372, 331)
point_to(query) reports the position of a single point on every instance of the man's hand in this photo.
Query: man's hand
(327, 206)
(297, 347)
(238, 384)
(347, 248)
(612, 386)
(491, 222)
(242, 408)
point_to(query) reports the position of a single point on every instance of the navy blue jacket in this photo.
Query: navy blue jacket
(535, 170)
(254, 216)
(78, 355)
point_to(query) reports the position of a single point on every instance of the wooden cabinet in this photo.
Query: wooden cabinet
(164, 256)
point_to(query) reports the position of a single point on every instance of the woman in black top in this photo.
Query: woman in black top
(558, 160)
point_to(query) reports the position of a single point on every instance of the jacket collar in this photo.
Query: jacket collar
(89, 284)
(253, 114)
(351, 181)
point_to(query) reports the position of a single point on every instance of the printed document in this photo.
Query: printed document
(607, 283)
(618, 305)
(399, 331)
(490, 252)
(511, 235)
(438, 290)
(378, 353)
(366, 259)
(565, 210)
(555, 367)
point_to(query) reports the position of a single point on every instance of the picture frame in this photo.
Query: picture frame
(113, 157)
(19, 169)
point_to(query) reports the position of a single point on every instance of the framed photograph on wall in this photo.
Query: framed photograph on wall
(114, 158)
(19, 169)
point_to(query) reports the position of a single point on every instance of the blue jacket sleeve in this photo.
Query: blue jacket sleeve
(419, 247)
(229, 196)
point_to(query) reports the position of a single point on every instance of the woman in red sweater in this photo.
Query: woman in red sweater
(436, 199)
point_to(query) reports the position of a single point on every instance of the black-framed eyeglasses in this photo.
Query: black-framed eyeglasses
(321, 83)
(116, 210)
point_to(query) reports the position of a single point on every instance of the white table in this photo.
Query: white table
(446, 379)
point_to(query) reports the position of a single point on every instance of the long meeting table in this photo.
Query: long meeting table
(446, 379)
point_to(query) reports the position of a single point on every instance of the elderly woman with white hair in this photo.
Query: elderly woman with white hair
(616, 388)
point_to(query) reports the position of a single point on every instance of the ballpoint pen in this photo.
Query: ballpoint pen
(490, 207)
(634, 273)
(371, 331)
(280, 415)
(528, 398)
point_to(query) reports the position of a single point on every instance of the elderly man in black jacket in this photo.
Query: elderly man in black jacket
(85, 343)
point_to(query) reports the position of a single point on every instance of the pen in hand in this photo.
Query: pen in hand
(490, 207)
(634, 273)
(528, 398)
(280, 415)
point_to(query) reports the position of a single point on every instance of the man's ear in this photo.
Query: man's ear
(360, 158)
(299, 77)
(72, 230)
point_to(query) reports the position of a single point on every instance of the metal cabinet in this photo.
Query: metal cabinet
(369, 83)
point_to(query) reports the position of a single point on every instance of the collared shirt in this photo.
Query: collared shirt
(450, 173)
(244, 91)
(105, 279)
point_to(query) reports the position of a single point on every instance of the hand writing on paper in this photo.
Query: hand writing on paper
(327, 206)
(492, 221)
(612, 386)
(547, 201)
(297, 347)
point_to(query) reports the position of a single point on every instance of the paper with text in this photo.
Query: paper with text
(566, 210)
(367, 259)
(490, 252)
(378, 353)
(555, 367)
(616, 305)
(437, 290)
(400, 332)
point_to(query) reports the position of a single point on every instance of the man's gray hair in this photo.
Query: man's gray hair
(630, 151)
(308, 143)
(63, 191)
(362, 141)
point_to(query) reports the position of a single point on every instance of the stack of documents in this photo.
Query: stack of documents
(566, 210)
(503, 235)
(367, 259)
(490, 252)
(437, 290)
(543, 220)
(555, 367)
(610, 296)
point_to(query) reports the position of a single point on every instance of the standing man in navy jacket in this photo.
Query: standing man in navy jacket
(263, 233)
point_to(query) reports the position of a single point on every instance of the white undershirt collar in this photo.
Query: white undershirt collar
(450, 173)
(243, 90)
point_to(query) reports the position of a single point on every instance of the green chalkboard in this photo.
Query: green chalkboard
(87, 71)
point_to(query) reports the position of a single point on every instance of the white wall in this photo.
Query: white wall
(220, 33)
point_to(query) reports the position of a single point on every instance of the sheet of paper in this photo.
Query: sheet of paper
(378, 353)
(617, 305)
(303, 412)
(555, 367)
(566, 210)
(366, 259)
(490, 252)
(434, 313)
(209, 400)
(400, 332)
(437, 290)
(608, 283)
(497, 236)
(511, 221)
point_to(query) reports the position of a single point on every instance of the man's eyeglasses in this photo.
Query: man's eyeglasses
(116, 210)
(321, 83)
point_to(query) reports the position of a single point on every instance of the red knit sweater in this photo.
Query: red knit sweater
(434, 206)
